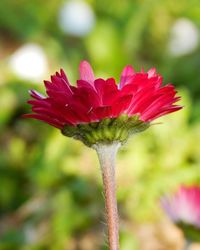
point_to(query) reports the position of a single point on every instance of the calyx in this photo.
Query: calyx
(106, 131)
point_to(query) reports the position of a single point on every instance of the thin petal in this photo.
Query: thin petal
(127, 72)
(42, 103)
(86, 72)
(103, 112)
(63, 75)
(151, 72)
(107, 90)
(122, 105)
(46, 119)
(154, 116)
(36, 95)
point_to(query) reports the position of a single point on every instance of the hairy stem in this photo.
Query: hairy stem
(187, 245)
(107, 157)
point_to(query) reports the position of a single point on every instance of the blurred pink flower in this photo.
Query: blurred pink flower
(184, 206)
(92, 100)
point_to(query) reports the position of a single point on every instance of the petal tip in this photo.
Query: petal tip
(86, 72)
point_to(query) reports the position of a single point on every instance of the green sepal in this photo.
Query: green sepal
(107, 130)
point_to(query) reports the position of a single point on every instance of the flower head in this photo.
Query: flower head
(184, 209)
(99, 110)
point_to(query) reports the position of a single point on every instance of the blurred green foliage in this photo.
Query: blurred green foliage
(50, 186)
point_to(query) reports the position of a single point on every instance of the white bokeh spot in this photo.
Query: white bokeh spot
(76, 18)
(184, 37)
(29, 62)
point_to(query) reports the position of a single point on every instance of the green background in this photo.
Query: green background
(50, 186)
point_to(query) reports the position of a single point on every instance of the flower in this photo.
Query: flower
(184, 210)
(99, 110)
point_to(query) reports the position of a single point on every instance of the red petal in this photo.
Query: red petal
(86, 72)
(107, 90)
(151, 72)
(161, 113)
(46, 119)
(39, 103)
(140, 95)
(100, 85)
(103, 112)
(59, 97)
(142, 104)
(121, 105)
(63, 75)
(84, 84)
(127, 72)
(98, 99)
(52, 113)
(36, 95)
(142, 80)
(87, 96)
(164, 101)
(60, 84)
(129, 89)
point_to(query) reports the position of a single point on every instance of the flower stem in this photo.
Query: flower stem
(107, 157)
(187, 245)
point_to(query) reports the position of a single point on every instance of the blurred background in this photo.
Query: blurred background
(50, 186)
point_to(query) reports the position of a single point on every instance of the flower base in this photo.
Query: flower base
(106, 131)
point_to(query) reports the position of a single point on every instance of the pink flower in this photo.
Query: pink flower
(184, 206)
(103, 115)
(93, 100)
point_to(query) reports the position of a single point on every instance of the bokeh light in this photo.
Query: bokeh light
(184, 37)
(29, 62)
(76, 18)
